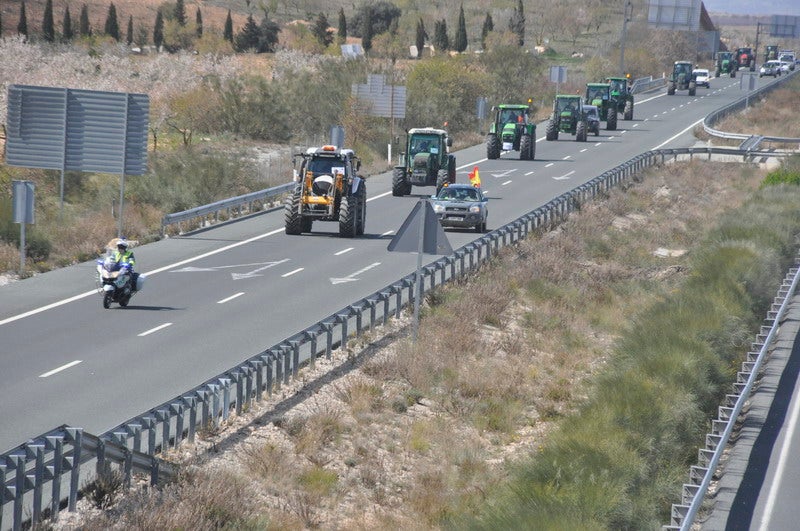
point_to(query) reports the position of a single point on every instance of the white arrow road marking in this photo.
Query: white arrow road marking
(564, 177)
(254, 272)
(584, 149)
(156, 329)
(223, 301)
(529, 173)
(549, 164)
(343, 251)
(598, 144)
(290, 273)
(349, 278)
(567, 157)
(502, 174)
(505, 183)
(62, 368)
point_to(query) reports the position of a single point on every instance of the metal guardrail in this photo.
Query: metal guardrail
(133, 443)
(234, 205)
(682, 515)
(738, 105)
(643, 84)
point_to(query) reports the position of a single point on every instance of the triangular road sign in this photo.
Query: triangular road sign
(434, 240)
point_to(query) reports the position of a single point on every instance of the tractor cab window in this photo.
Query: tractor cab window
(424, 145)
(566, 105)
(617, 85)
(512, 116)
(595, 93)
(325, 166)
(683, 68)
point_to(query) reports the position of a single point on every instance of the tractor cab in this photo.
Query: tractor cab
(512, 129)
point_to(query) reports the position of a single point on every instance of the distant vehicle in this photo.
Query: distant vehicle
(789, 57)
(461, 205)
(745, 58)
(770, 68)
(592, 119)
(786, 67)
(701, 76)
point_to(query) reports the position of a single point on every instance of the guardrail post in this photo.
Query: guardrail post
(162, 415)
(177, 410)
(312, 344)
(215, 404)
(127, 468)
(358, 309)
(286, 352)
(191, 403)
(18, 462)
(399, 296)
(76, 439)
(371, 304)
(327, 326)
(343, 317)
(384, 297)
(57, 444)
(270, 362)
(295, 357)
(38, 480)
(226, 397)
(101, 457)
(236, 377)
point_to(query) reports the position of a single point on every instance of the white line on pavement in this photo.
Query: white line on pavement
(156, 329)
(223, 301)
(62, 368)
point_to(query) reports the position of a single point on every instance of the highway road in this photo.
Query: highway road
(213, 298)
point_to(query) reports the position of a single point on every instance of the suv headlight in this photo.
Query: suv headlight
(475, 209)
(438, 208)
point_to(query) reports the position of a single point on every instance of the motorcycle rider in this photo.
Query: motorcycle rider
(123, 256)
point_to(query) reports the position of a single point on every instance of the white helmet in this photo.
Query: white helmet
(122, 242)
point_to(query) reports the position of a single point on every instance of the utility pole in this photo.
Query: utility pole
(755, 50)
(626, 16)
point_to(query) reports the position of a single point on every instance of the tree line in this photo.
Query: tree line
(173, 30)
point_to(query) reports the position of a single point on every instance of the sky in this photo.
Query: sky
(754, 7)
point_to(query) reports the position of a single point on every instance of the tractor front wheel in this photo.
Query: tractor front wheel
(441, 179)
(361, 218)
(451, 168)
(292, 217)
(551, 133)
(671, 89)
(526, 147)
(692, 89)
(580, 132)
(399, 185)
(348, 217)
(492, 147)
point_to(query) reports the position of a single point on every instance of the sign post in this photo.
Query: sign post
(22, 207)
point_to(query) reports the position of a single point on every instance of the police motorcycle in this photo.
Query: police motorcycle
(115, 281)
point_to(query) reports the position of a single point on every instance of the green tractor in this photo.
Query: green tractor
(599, 95)
(568, 117)
(622, 95)
(425, 162)
(726, 64)
(681, 78)
(513, 129)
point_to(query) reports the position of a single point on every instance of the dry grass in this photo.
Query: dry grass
(768, 117)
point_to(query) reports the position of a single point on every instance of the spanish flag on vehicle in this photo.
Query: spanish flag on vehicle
(475, 178)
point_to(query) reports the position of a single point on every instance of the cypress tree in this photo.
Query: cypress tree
(112, 24)
(129, 35)
(517, 23)
(460, 43)
(22, 26)
(228, 31)
(1, 24)
(421, 36)
(440, 39)
(158, 30)
(67, 33)
(342, 33)
(198, 23)
(320, 30)
(247, 39)
(85, 28)
(488, 26)
(48, 25)
(180, 12)
(367, 33)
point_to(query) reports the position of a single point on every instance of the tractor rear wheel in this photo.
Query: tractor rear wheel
(292, 217)
(611, 119)
(348, 216)
(492, 147)
(526, 146)
(671, 89)
(733, 73)
(692, 89)
(361, 218)
(551, 133)
(580, 132)
(628, 114)
(399, 185)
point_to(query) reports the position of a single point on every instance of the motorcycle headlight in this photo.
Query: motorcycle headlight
(438, 208)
